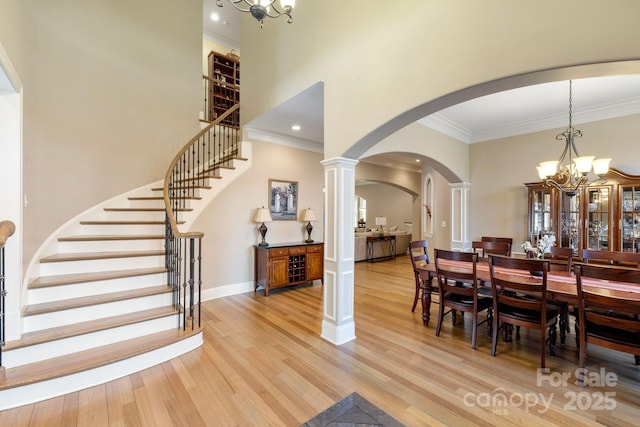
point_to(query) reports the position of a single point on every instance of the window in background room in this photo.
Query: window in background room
(361, 212)
(428, 205)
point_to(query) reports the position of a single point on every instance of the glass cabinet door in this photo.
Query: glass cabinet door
(598, 232)
(630, 221)
(540, 213)
(570, 226)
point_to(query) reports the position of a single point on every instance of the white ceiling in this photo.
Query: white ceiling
(519, 111)
(227, 28)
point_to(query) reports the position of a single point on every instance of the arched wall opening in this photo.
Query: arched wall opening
(511, 82)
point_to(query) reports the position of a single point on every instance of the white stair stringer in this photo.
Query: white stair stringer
(217, 186)
(60, 278)
(47, 389)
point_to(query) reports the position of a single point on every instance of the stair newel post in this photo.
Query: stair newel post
(199, 280)
(192, 265)
(183, 281)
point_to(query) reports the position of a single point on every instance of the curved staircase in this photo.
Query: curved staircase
(99, 304)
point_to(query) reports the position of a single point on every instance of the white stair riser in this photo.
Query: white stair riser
(75, 267)
(37, 353)
(152, 203)
(110, 246)
(134, 215)
(100, 311)
(121, 229)
(76, 290)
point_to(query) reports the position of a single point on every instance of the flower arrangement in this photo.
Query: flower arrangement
(543, 245)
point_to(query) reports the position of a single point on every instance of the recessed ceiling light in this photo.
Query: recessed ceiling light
(418, 160)
(215, 17)
(295, 127)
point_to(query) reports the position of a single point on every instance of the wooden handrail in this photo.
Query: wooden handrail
(7, 228)
(167, 179)
(220, 82)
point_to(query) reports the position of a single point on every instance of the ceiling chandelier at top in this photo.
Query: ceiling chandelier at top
(570, 177)
(260, 9)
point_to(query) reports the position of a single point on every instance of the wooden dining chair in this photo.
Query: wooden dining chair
(496, 248)
(519, 299)
(608, 321)
(419, 256)
(563, 258)
(458, 289)
(627, 259)
(487, 248)
(508, 240)
(477, 247)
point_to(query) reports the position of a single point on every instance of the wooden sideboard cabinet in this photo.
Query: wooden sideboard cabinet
(287, 264)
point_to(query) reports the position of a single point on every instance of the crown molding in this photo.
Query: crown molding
(225, 41)
(276, 138)
(439, 122)
(443, 124)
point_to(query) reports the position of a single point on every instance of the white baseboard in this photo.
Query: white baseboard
(227, 290)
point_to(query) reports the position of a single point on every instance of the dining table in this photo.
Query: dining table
(561, 284)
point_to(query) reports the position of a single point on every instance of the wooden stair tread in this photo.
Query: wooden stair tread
(122, 222)
(217, 167)
(67, 331)
(198, 178)
(93, 358)
(201, 187)
(67, 304)
(83, 256)
(111, 237)
(162, 198)
(144, 209)
(69, 279)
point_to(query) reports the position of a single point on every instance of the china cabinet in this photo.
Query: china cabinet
(603, 216)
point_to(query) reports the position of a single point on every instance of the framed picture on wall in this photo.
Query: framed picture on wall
(283, 196)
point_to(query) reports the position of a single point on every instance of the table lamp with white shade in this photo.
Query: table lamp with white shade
(308, 215)
(381, 221)
(262, 215)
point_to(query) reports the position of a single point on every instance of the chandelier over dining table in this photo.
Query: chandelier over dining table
(571, 176)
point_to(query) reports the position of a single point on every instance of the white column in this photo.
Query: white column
(460, 240)
(338, 324)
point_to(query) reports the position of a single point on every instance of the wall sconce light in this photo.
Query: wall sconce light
(308, 215)
(262, 215)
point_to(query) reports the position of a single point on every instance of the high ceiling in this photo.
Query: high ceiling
(519, 111)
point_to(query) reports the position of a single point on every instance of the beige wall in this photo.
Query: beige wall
(111, 91)
(385, 67)
(227, 223)
(388, 201)
(499, 169)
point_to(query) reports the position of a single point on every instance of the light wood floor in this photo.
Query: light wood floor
(263, 363)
